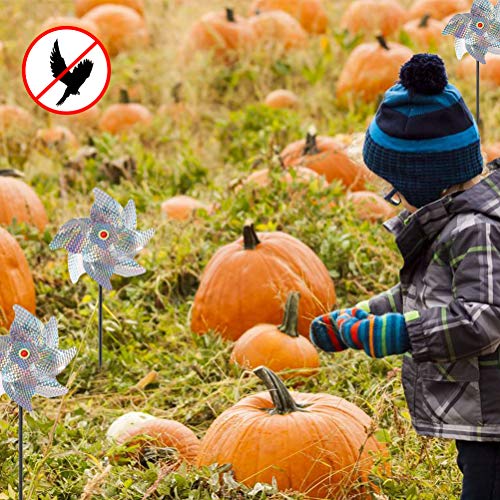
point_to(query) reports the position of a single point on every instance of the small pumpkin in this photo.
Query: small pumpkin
(14, 118)
(120, 27)
(326, 157)
(88, 118)
(161, 433)
(317, 444)
(281, 98)
(246, 282)
(373, 17)
(437, 9)
(490, 72)
(124, 422)
(276, 27)
(178, 109)
(371, 69)
(19, 202)
(225, 34)
(262, 178)
(425, 32)
(124, 116)
(277, 347)
(370, 206)
(310, 13)
(84, 6)
(492, 151)
(16, 279)
(183, 207)
(57, 136)
(54, 22)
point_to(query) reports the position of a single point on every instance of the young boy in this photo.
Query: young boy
(445, 312)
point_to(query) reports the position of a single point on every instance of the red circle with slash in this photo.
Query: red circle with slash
(77, 50)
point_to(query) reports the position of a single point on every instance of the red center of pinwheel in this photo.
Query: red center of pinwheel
(24, 353)
(103, 235)
(480, 25)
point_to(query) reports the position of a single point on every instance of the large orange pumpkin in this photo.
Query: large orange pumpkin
(276, 27)
(437, 8)
(224, 34)
(489, 73)
(371, 69)
(370, 206)
(247, 282)
(120, 27)
(277, 347)
(325, 156)
(83, 6)
(162, 433)
(310, 13)
(124, 116)
(317, 444)
(373, 17)
(425, 32)
(19, 202)
(17, 285)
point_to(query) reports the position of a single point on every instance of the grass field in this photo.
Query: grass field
(224, 133)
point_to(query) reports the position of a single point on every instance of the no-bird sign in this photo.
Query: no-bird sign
(66, 70)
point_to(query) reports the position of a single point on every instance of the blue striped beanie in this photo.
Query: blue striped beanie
(423, 138)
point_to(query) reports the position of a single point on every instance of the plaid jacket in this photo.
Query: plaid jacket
(451, 277)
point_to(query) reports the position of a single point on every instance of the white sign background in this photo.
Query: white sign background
(72, 44)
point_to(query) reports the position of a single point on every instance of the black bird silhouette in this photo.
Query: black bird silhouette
(72, 79)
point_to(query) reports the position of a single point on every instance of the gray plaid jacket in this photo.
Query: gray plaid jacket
(451, 276)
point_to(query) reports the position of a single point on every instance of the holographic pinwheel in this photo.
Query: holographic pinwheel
(103, 244)
(30, 360)
(477, 33)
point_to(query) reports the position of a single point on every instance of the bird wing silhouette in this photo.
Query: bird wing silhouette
(81, 72)
(57, 65)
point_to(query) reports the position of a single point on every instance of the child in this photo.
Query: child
(445, 312)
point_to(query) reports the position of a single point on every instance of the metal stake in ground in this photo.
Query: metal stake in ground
(20, 446)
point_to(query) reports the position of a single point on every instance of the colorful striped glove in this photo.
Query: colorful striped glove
(378, 336)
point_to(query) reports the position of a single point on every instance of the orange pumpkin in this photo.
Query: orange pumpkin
(57, 136)
(302, 175)
(19, 202)
(224, 34)
(371, 69)
(437, 8)
(83, 6)
(124, 116)
(370, 206)
(490, 72)
(183, 207)
(120, 27)
(162, 433)
(13, 118)
(373, 17)
(246, 283)
(492, 151)
(425, 32)
(15, 277)
(325, 156)
(276, 27)
(277, 347)
(317, 444)
(281, 98)
(310, 13)
(87, 118)
(54, 22)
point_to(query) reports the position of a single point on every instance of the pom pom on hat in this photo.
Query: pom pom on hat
(424, 74)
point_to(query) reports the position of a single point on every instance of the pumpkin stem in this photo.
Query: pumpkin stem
(311, 147)
(230, 15)
(291, 317)
(175, 92)
(424, 21)
(124, 97)
(250, 238)
(10, 172)
(282, 399)
(382, 42)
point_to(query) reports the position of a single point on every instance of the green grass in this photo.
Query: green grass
(226, 134)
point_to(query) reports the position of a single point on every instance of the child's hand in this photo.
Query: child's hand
(378, 336)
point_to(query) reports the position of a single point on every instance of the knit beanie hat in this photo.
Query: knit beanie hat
(423, 138)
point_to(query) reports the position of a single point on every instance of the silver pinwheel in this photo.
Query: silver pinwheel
(477, 32)
(30, 360)
(103, 244)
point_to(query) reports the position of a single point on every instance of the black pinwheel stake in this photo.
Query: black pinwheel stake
(103, 244)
